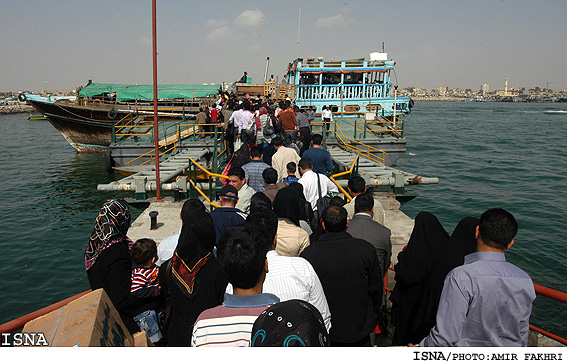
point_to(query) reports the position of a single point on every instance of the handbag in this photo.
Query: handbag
(251, 128)
(226, 170)
(323, 201)
(268, 130)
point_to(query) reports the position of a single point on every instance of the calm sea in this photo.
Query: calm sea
(508, 155)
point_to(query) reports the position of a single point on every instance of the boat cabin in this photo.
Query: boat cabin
(350, 87)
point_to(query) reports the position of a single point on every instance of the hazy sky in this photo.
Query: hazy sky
(59, 44)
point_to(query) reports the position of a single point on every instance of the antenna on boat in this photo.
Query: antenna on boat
(266, 72)
(156, 136)
(298, 33)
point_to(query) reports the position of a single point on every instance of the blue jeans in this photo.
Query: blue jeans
(148, 321)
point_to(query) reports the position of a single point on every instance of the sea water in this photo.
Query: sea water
(507, 155)
(499, 155)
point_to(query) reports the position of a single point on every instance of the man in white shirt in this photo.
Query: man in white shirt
(240, 120)
(311, 181)
(288, 277)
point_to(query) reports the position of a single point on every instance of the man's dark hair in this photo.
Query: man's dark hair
(291, 167)
(337, 201)
(305, 163)
(256, 152)
(242, 255)
(238, 171)
(258, 201)
(335, 219)
(317, 139)
(266, 220)
(277, 141)
(364, 203)
(497, 228)
(189, 206)
(270, 176)
(143, 250)
(357, 184)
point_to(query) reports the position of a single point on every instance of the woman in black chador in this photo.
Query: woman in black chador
(420, 272)
(192, 278)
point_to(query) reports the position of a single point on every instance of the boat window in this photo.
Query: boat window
(331, 78)
(373, 108)
(353, 78)
(309, 79)
(352, 108)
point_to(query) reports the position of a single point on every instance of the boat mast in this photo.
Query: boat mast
(156, 136)
(298, 33)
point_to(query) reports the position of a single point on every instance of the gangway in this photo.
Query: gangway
(145, 180)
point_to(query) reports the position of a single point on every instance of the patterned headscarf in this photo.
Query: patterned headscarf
(111, 226)
(292, 323)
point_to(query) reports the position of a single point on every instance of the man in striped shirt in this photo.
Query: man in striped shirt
(242, 258)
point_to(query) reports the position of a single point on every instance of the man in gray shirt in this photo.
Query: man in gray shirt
(487, 301)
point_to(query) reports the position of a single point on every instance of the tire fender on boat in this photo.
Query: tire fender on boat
(22, 97)
(112, 114)
(411, 103)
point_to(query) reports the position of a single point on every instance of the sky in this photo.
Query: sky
(61, 44)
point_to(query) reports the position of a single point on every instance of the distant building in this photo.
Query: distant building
(443, 90)
(485, 88)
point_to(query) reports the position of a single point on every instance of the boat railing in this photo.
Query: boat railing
(172, 140)
(358, 147)
(338, 91)
(378, 125)
(540, 290)
(151, 155)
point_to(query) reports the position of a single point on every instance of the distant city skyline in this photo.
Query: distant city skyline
(61, 44)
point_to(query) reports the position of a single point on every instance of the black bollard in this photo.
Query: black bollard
(153, 216)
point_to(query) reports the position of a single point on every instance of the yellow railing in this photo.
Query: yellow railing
(152, 156)
(332, 177)
(366, 153)
(209, 176)
(174, 141)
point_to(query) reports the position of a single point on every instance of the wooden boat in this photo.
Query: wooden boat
(87, 124)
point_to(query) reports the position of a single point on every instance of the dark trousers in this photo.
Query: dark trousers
(305, 136)
(289, 137)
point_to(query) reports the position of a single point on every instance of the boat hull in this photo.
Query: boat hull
(86, 129)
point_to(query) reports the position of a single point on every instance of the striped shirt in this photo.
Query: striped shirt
(253, 171)
(230, 324)
(145, 281)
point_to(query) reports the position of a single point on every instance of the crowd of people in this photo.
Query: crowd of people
(285, 261)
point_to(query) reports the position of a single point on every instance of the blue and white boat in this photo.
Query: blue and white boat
(362, 96)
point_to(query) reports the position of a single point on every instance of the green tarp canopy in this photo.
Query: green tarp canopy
(129, 92)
